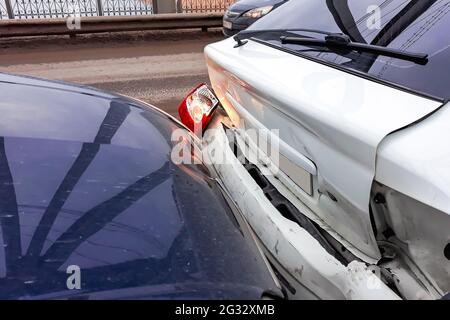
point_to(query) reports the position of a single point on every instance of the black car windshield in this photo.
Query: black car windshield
(417, 26)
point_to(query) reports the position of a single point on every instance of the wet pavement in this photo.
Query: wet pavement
(159, 67)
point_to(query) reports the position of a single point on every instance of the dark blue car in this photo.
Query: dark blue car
(89, 194)
(243, 13)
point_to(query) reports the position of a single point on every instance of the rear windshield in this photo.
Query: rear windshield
(417, 26)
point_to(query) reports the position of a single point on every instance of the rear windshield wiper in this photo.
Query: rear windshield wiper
(245, 34)
(341, 41)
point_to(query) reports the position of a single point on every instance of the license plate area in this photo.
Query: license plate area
(299, 176)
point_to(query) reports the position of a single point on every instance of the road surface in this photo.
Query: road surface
(159, 67)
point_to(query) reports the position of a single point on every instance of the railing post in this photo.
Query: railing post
(164, 6)
(100, 7)
(154, 6)
(179, 6)
(9, 9)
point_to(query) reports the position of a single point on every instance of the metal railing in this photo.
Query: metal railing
(205, 5)
(32, 9)
(45, 9)
(126, 7)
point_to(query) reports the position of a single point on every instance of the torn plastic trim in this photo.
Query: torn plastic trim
(290, 212)
(288, 189)
(293, 246)
(414, 233)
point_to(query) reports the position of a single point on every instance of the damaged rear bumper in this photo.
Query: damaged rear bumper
(311, 269)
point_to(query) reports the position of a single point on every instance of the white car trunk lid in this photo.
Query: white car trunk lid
(330, 125)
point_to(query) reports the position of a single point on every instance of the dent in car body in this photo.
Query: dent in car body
(412, 165)
(335, 119)
(319, 274)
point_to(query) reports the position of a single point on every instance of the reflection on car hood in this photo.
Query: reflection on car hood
(86, 179)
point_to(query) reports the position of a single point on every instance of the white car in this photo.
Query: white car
(354, 96)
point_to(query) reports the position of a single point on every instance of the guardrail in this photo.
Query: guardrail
(79, 25)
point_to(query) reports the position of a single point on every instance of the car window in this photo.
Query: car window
(407, 25)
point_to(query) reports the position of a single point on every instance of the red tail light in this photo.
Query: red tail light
(197, 108)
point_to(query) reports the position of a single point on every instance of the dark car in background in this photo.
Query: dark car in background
(243, 13)
(87, 183)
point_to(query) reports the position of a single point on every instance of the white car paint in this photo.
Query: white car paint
(417, 161)
(319, 272)
(335, 119)
(342, 138)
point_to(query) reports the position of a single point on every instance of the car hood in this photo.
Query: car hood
(86, 180)
(332, 120)
(245, 5)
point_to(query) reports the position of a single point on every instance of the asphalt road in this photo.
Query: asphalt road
(159, 67)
